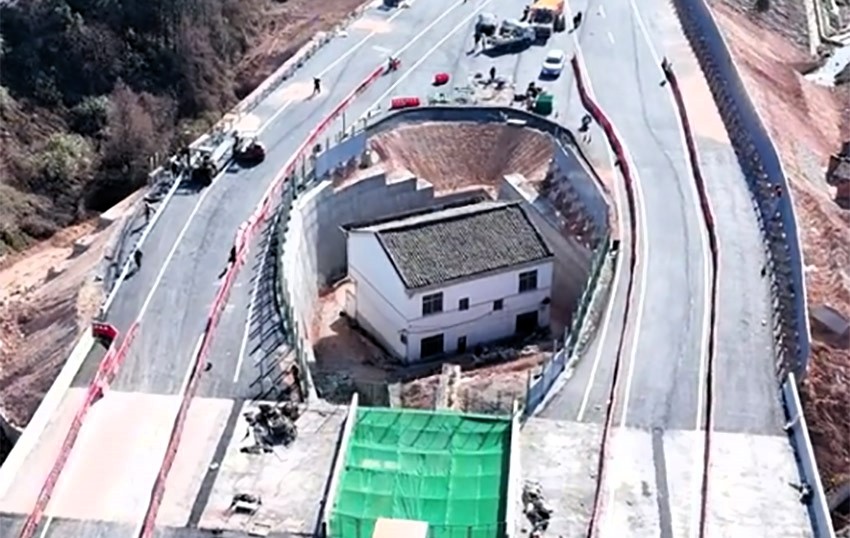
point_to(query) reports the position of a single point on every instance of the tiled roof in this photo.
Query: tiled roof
(445, 245)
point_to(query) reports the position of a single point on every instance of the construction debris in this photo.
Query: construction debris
(272, 425)
(535, 508)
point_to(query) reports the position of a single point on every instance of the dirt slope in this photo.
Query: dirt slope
(808, 123)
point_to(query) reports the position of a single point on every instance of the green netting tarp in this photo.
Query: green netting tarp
(448, 469)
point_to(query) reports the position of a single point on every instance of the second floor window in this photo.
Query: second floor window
(528, 281)
(432, 304)
(463, 304)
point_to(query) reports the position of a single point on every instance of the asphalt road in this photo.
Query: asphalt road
(661, 388)
(184, 255)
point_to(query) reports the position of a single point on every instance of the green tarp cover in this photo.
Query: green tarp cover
(445, 468)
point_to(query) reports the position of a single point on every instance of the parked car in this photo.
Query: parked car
(553, 64)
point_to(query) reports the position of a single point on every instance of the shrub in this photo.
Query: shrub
(89, 117)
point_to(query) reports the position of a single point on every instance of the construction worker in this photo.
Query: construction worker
(148, 211)
(525, 11)
(576, 20)
(317, 85)
(493, 74)
(137, 258)
(585, 123)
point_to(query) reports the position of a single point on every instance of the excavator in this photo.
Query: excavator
(547, 17)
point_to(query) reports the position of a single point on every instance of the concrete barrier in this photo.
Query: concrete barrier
(622, 163)
(708, 218)
(244, 236)
(799, 434)
(765, 177)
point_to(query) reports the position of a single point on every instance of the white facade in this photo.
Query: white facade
(394, 315)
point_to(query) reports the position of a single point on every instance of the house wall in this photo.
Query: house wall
(377, 291)
(480, 324)
(387, 310)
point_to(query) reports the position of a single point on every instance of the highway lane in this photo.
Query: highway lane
(746, 397)
(446, 49)
(164, 341)
(196, 231)
(662, 376)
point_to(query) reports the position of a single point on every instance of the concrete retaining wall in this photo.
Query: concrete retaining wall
(315, 252)
(799, 433)
(572, 260)
(568, 156)
(765, 177)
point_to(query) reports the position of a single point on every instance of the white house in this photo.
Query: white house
(445, 280)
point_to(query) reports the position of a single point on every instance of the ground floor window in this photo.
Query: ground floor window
(431, 346)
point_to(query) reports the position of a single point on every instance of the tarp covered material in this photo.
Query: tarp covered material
(448, 469)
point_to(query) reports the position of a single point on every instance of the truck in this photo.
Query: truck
(508, 36)
(547, 17)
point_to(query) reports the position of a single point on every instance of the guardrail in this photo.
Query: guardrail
(708, 218)
(244, 236)
(798, 431)
(107, 369)
(103, 377)
(623, 164)
(766, 179)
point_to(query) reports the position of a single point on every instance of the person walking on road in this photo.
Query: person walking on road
(148, 211)
(577, 21)
(137, 258)
(317, 85)
(493, 74)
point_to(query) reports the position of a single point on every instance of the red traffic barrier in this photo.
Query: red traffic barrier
(440, 79)
(404, 102)
(104, 330)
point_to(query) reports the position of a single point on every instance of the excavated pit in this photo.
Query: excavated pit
(462, 155)
(412, 166)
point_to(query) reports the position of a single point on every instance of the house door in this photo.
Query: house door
(461, 344)
(431, 346)
(526, 323)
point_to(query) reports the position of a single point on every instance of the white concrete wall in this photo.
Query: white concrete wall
(377, 289)
(388, 311)
(480, 324)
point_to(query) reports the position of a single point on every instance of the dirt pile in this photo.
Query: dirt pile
(807, 123)
(455, 155)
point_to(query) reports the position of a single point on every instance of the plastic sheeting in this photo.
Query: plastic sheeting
(448, 469)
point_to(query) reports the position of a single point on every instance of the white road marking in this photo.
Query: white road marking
(611, 37)
(168, 258)
(250, 316)
(424, 56)
(359, 44)
(273, 117)
(614, 286)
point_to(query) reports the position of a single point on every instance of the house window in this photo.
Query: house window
(431, 346)
(463, 304)
(497, 304)
(432, 304)
(528, 281)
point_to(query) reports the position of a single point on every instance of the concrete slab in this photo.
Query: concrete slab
(23, 490)
(630, 491)
(291, 481)
(112, 466)
(750, 488)
(204, 427)
(683, 454)
(561, 456)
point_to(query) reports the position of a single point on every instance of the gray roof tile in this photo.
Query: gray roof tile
(449, 244)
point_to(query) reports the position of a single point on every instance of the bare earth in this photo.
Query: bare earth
(808, 123)
(47, 296)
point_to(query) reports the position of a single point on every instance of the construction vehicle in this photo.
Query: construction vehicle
(248, 151)
(204, 169)
(547, 17)
(511, 36)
